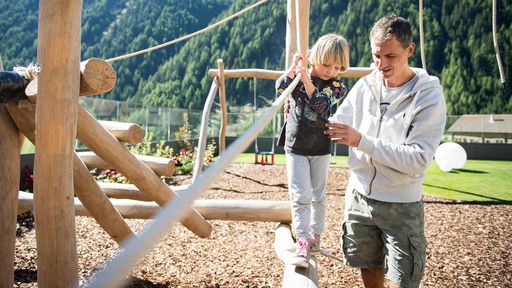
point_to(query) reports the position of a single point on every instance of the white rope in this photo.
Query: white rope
(496, 47)
(422, 45)
(113, 275)
(189, 35)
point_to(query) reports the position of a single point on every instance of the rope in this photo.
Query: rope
(135, 248)
(187, 36)
(422, 46)
(497, 48)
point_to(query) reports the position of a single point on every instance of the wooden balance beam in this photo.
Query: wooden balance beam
(211, 209)
(294, 277)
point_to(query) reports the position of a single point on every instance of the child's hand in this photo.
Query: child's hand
(295, 65)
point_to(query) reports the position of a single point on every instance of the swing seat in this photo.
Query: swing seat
(261, 157)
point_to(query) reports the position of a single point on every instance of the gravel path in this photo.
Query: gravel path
(469, 245)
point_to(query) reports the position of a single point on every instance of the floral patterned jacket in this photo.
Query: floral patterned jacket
(307, 116)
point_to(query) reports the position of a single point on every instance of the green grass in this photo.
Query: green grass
(479, 180)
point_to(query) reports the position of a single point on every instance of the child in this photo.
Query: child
(307, 148)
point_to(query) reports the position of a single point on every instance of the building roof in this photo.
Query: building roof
(483, 125)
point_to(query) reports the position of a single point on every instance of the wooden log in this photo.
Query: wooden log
(130, 191)
(85, 185)
(293, 276)
(223, 107)
(106, 146)
(96, 77)
(352, 72)
(302, 22)
(9, 183)
(125, 132)
(160, 165)
(59, 84)
(291, 33)
(211, 209)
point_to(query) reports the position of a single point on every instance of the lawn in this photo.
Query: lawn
(478, 180)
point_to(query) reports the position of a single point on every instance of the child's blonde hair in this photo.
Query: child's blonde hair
(330, 49)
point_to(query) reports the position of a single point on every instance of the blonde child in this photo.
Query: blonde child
(306, 146)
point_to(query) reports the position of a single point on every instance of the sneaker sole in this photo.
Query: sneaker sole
(301, 263)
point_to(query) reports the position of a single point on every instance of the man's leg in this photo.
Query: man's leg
(373, 278)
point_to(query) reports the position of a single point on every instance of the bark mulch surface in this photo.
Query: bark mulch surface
(470, 245)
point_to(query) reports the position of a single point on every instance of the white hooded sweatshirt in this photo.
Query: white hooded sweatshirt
(399, 143)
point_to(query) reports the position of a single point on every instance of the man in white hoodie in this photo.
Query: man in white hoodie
(392, 121)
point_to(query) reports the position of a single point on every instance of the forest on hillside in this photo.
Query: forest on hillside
(458, 45)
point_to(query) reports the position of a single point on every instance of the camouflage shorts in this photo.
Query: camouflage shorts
(385, 235)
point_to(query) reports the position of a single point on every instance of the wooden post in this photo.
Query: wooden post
(293, 277)
(106, 146)
(85, 185)
(223, 107)
(302, 14)
(96, 76)
(9, 183)
(59, 84)
(291, 32)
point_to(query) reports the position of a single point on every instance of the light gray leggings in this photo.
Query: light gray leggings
(307, 180)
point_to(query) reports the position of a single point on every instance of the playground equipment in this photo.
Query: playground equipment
(62, 173)
(261, 157)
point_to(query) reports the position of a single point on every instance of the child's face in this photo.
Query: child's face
(326, 71)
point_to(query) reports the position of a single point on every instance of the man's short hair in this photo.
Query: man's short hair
(389, 27)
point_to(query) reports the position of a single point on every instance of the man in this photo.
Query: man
(392, 121)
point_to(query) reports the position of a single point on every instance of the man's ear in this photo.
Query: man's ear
(411, 49)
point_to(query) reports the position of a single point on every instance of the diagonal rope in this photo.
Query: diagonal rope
(136, 247)
(187, 36)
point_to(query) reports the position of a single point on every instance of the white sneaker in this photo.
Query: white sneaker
(302, 254)
(315, 244)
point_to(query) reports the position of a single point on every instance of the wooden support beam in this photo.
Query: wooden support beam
(291, 33)
(106, 146)
(86, 188)
(228, 210)
(223, 107)
(59, 85)
(96, 77)
(160, 165)
(302, 22)
(9, 183)
(130, 191)
(294, 277)
(352, 72)
(125, 132)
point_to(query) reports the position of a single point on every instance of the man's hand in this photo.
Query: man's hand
(343, 134)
